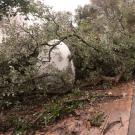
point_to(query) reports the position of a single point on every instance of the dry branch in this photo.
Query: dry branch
(115, 78)
(110, 126)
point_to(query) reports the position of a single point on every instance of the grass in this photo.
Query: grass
(20, 125)
(97, 119)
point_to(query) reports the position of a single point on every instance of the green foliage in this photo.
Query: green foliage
(7, 5)
(58, 107)
(110, 44)
(97, 119)
(52, 109)
(105, 48)
(20, 48)
(20, 125)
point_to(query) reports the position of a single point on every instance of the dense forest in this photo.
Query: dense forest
(101, 38)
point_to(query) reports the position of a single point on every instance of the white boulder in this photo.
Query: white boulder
(60, 64)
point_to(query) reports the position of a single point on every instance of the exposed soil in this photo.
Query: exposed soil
(115, 103)
(117, 116)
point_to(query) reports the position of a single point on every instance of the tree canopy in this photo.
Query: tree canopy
(7, 5)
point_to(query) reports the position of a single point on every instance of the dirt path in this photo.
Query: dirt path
(116, 121)
(131, 129)
(114, 104)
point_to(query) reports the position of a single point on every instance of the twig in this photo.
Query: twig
(104, 126)
(38, 117)
(110, 125)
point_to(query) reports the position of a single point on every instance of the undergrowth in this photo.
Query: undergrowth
(55, 108)
(51, 110)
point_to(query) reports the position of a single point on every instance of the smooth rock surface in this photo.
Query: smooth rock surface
(60, 64)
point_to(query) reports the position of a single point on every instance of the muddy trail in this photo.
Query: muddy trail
(116, 111)
(98, 112)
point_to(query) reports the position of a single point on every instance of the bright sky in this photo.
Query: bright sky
(66, 5)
